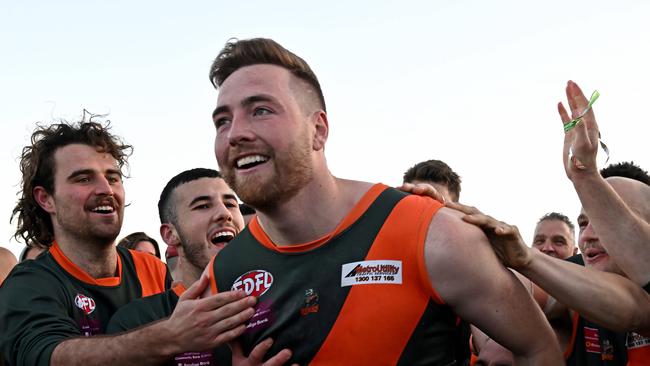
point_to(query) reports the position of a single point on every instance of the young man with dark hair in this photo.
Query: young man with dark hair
(439, 175)
(554, 236)
(51, 308)
(199, 215)
(346, 272)
(626, 169)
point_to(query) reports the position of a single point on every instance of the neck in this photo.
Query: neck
(98, 259)
(189, 272)
(313, 212)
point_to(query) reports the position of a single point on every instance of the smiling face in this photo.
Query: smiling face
(554, 238)
(264, 138)
(88, 199)
(208, 218)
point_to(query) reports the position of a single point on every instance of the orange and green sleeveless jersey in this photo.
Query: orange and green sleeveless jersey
(361, 295)
(50, 299)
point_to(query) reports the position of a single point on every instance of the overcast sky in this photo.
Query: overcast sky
(472, 83)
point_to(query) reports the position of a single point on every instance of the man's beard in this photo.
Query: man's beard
(102, 234)
(195, 253)
(291, 172)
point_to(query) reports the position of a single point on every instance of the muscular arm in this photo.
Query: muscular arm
(607, 299)
(468, 276)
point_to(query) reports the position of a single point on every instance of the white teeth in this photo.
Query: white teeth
(251, 159)
(103, 208)
(222, 233)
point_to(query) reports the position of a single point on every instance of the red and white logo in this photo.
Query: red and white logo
(254, 283)
(85, 303)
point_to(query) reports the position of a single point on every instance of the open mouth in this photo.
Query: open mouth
(251, 161)
(593, 255)
(222, 237)
(105, 209)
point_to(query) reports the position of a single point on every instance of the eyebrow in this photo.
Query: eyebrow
(198, 199)
(208, 198)
(79, 172)
(229, 197)
(245, 103)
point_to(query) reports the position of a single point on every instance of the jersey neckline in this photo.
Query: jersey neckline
(359, 208)
(78, 273)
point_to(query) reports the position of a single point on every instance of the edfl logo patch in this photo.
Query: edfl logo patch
(254, 283)
(85, 303)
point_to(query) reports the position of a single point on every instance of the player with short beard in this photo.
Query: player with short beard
(346, 272)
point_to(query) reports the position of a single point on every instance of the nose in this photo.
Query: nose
(222, 214)
(240, 130)
(103, 186)
(547, 247)
(588, 234)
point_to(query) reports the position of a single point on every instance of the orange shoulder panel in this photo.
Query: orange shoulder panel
(151, 272)
(385, 329)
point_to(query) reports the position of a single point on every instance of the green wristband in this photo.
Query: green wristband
(574, 122)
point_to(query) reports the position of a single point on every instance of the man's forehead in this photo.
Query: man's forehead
(75, 157)
(260, 77)
(213, 187)
(552, 224)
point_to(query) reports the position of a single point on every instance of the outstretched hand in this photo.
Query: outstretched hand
(505, 239)
(580, 142)
(205, 323)
(256, 357)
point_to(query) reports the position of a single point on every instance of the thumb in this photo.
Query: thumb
(236, 349)
(197, 288)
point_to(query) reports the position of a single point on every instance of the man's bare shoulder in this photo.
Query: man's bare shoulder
(448, 229)
(456, 251)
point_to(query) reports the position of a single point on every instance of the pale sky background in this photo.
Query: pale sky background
(472, 83)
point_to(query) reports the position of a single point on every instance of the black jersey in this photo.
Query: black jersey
(50, 299)
(593, 345)
(160, 306)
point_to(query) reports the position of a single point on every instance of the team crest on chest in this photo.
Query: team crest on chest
(310, 304)
(254, 283)
(371, 272)
(85, 303)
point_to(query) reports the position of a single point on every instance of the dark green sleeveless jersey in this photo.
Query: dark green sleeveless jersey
(49, 299)
(359, 296)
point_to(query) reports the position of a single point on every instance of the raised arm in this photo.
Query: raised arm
(607, 299)
(624, 233)
(468, 276)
